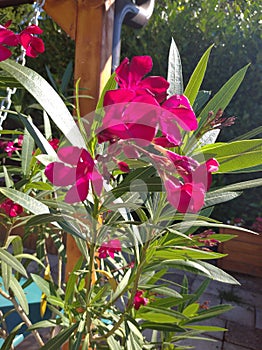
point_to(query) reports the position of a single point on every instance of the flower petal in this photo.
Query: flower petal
(59, 174)
(139, 67)
(69, 154)
(78, 192)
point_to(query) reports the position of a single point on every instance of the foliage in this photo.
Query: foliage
(234, 29)
(114, 199)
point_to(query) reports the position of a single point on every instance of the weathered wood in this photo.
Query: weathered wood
(244, 253)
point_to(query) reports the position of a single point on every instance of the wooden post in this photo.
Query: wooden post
(90, 23)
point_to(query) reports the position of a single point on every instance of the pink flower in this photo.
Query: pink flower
(129, 76)
(109, 248)
(147, 113)
(188, 197)
(139, 300)
(183, 114)
(32, 44)
(123, 166)
(79, 172)
(54, 143)
(10, 148)
(12, 209)
(7, 37)
(20, 140)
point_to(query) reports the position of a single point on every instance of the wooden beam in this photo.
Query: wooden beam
(93, 61)
(64, 13)
(7, 3)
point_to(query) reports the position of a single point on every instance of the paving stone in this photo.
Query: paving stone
(230, 346)
(241, 314)
(202, 344)
(244, 336)
(214, 287)
(249, 283)
(258, 318)
(248, 296)
(217, 322)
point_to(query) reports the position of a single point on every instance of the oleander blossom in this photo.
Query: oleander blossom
(79, 172)
(32, 44)
(7, 38)
(11, 208)
(139, 300)
(109, 249)
(138, 109)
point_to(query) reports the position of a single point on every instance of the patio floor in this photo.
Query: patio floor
(244, 322)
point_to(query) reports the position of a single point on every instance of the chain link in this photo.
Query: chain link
(7, 100)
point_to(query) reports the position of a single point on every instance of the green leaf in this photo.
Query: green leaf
(218, 274)
(185, 253)
(122, 285)
(47, 126)
(197, 77)
(249, 134)
(239, 186)
(113, 343)
(27, 202)
(60, 339)
(71, 283)
(19, 294)
(234, 155)
(48, 99)
(6, 274)
(191, 310)
(223, 96)
(42, 284)
(7, 81)
(213, 197)
(212, 312)
(202, 97)
(174, 72)
(147, 311)
(208, 328)
(27, 151)
(166, 327)
(38, 137)
(10, 260)
(8, 179)
(67, 76)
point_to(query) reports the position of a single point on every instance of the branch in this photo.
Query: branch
(23, 316)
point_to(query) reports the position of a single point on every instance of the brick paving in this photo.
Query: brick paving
(244, 322)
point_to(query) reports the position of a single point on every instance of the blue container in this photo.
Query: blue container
(33, 296)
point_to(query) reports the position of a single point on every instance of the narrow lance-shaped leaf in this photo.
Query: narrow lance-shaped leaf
(19, 294)
(48, 99)
(26, 201)
(10, 260)
(197, 77)
(27, 151)
(223, 96)
(236, 155)
(174, 73)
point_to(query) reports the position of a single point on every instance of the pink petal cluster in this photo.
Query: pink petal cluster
(109, 249)
(11, 209)
(76, 168)
(188, 195)
(9, 146)
(139, 108)
(32, 44)
(139, 300)
(7, 38)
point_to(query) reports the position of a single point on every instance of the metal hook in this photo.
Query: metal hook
(132, 14)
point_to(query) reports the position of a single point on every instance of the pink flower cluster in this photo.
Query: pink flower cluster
(11, 209)
(139, 114)
(32, 44)
(9, 146)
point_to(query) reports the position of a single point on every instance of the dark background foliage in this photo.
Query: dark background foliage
(233, 26)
